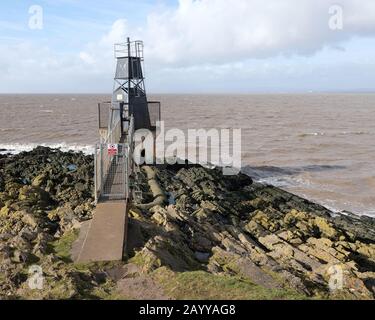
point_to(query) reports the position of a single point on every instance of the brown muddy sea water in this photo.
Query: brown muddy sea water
(318, 146)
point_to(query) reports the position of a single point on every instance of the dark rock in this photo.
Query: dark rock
(202, 256)
(221, 224)
(42, 193)
(236, 226)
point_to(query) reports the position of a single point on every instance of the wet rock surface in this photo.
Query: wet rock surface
(225, 236)
(44, 196)
(230, 225)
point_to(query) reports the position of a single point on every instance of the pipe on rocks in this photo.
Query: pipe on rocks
(159, 196)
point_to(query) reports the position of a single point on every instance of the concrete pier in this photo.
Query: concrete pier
(105, 236)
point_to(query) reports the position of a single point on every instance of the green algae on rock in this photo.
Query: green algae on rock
(268, 236)
(216, 236)
(40, 207)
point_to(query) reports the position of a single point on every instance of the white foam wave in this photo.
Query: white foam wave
(343, 133)
(312, 134)
(11, 129)
(18, 147)
(334, 206)
(356, 133)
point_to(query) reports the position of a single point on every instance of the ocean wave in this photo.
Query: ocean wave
(353, 133)
(312, 134)
(343, 133)
(292, 179)
(289, 183)
(19, 147)
(11, 129)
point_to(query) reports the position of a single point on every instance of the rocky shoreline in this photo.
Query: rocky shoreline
(204, 235)
(44, 196)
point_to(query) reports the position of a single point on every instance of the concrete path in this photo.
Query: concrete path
(104, 238)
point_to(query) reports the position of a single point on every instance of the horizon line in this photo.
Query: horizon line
(204, 93)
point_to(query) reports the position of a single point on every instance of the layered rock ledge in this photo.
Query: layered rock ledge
(194, 234)
(230, 225)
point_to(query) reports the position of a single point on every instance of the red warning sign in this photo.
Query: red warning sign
(113, 149)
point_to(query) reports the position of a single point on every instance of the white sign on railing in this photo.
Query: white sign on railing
(113, 149)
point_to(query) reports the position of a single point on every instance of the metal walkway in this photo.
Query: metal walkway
(114, 183)
(104, 238)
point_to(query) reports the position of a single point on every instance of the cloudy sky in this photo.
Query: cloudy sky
(213, 46)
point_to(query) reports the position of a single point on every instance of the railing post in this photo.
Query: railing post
(126, 181)
(96, 174)
(101, 167)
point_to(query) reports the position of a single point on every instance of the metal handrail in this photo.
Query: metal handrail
(136, 49)
(103, 161)
(129, 163)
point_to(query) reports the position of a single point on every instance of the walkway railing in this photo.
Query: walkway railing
(114, 163)
(114, 136)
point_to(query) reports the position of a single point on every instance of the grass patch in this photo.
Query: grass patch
(63, 246)
(108, 292)
(201, 285)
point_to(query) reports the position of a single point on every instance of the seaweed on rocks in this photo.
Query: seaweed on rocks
(41, 202)
(230, 225)
(211, 236)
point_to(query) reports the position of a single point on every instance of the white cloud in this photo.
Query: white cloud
(219, 31)
(86, 58)
(215, 39)
(118, 33)
(100, 54)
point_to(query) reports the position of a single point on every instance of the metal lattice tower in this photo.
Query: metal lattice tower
(129, 91)
(128, 111)
(116, 173)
